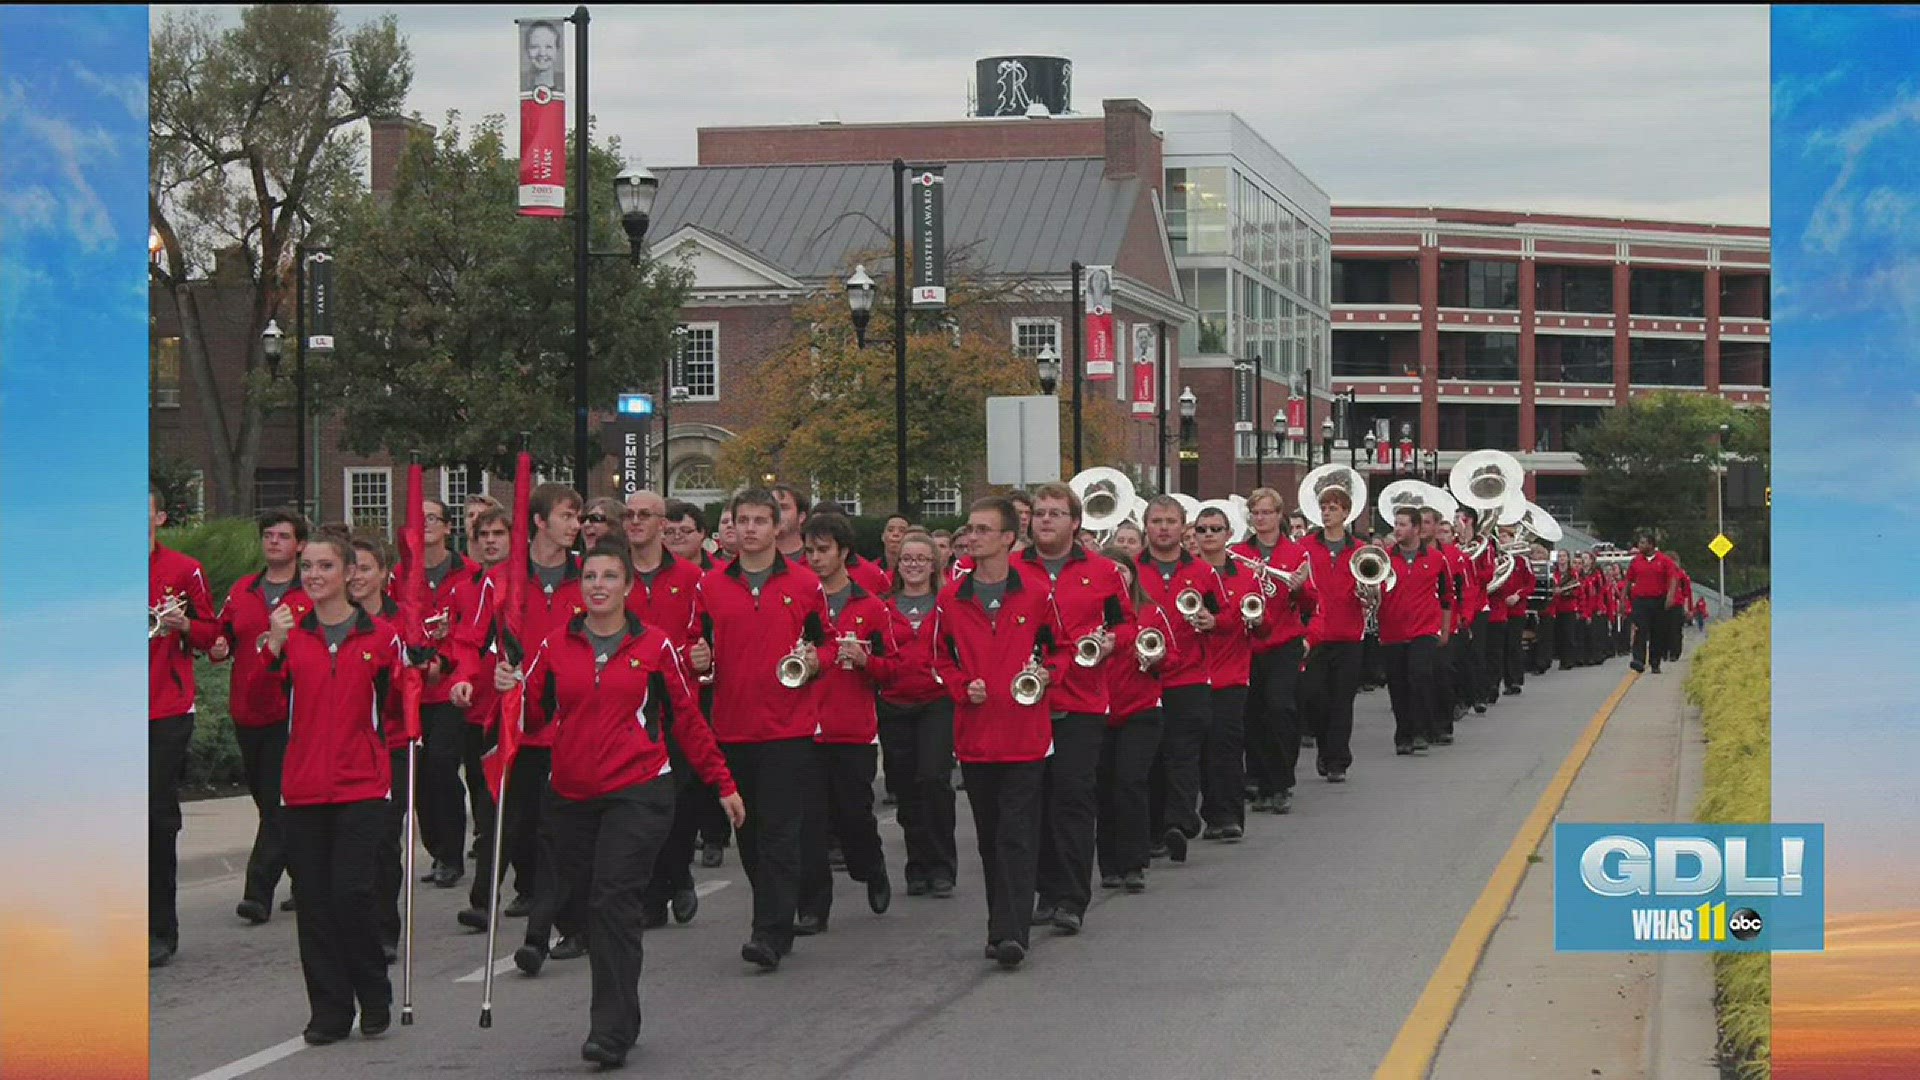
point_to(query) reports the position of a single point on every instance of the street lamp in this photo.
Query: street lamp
(1326, 439)
(1720, 508)
(860, 294)
(635, 190)
(1279, 432)
(272, 343)
(1048, 364)
(1373, 450)
(1189, 408)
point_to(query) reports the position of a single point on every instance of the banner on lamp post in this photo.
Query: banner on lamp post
(1146, 374)
(1243, 376)
(928, 226)
(543, 118)
(319, 301)
(1097, 293)
(1296, 417)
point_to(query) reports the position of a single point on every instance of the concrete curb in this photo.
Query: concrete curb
(1683, 1032)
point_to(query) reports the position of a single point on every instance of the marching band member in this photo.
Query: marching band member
(368, 577)
(476, 598)
(180, 621)
(604, 517)
(891, 534)
(1412, 628)
(1700, 614)
(992, 627)
(1539, 604)
(794, 507)
(1023, 506)
(1334, 638)
(1470, 620)
(612, 792)
(1229, 648)
(1437, 532)
(1129, 538)
(684, 533)
(761, 608)
(337, 663)
(1089, 600)
(942, 552)
(1677, 615)
(1654, 583)
(1166, 572)
(477, 505)
(916, 727)
(1596, 588)
(258, 704)
(1513, 596)
(443, 721)
(1272, 719)
(1132, 739)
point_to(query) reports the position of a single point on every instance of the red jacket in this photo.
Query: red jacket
(336, 750)
(1283, 609)
(869, 575)
(607, 731)
(1684, 598)
(1229, 644)
(1130, 690)
(170, 656)
(473, 642)
(1337, 613)
(254, 698)
(1421, 593)
(913, 682)
(1648, 576)
(667, 603)
(1187, 659)
(968, 645)
(750, 635)
(446, 598)
(541, 613)
(1473, 599)
(1088, 595)
(1519, 583)
(1460, 575)
(847, 695)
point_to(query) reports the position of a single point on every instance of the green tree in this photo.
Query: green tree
(455, 323)
(1650, 465)
(826, 406)
(251, 142)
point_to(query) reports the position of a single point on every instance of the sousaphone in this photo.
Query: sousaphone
(1107, 498)
(1325, 478)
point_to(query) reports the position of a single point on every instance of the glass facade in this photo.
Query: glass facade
(1480, 283)
(1667, 362)
(1674, 293)
(1566, 358)
(1480, 356)
(1554, 426)
(1573, 288)
(1199, 219)
(1478, 427)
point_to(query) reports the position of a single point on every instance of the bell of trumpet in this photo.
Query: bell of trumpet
(1253, 609)
(158, 613)
(1086, 651)
(1028, 687)
(1107, 498)
(1323, 479)
(1189, 603)
(1372, 569)
(1150, 647)
(794, 670)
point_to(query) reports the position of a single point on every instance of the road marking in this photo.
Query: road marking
(1413, 1050)
(256, 1061)
(505, 963)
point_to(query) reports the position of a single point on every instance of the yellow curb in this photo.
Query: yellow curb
(1413, 1050)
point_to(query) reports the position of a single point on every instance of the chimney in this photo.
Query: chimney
(390, 136)
(1132, 147)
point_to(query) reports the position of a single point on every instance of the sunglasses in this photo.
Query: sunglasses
(595, 519)
(1209, 528)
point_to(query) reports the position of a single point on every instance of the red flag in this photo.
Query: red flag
(512, 704)
(412, 598)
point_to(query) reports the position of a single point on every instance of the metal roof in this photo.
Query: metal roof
(1016, 218)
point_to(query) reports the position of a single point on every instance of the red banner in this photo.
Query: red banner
(1296, 418)
(1101, 348)
(1146, 374)
(543, 119)
(1385, 454)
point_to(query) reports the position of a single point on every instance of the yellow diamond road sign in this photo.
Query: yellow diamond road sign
(1720, 546)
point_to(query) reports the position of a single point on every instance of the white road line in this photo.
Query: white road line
(256, 1061)
(505, 963)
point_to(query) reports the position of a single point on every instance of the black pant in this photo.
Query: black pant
(390, 876)
(1223, 799)
(1126, 763)
(607, 847)
(1373, 661)
(710, 818)
(167, 743)
(1410, 675)
(1175, 790)
(560, 897)
(1273, 718)
(839, 805)
(520, 817)
(1647, 640)
(475, 744)
(673, 866)
(1540, 655)
(1332, 678)
(262, 751)
(1514, 649)
(1070, 811)
(1496, 661)
(1676, 630)
(333, 856)
(917, 743)
(1470, 661)
(443, 801)
(1006, 817)
(772, 777)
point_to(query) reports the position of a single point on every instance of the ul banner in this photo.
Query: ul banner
(1243, 376)
(1146, 374)
(928, 227)
(543, 119)
(319, 301)
(1097, 292)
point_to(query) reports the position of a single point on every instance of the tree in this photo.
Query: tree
(826, 407)
(1650, 466)
(454, 328)
(251, 141)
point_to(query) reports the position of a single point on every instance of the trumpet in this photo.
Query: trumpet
(1030, 685)
(1253, 609)
(1372, 575)
(158, 613)
(1150, 646)
(1086, 651)
(435, 621)
(1189, 603)
(844, 661)
(796, 667)
(1268, 575)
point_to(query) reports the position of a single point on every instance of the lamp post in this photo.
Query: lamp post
(1259, 437)
(1189, 408)
(1373, 451)
(671, 389)
(1160, 404)
(1720, 507)
(582, 252)
(1076, 317)
(900, 336)
(860, 293)
(273, 346)
(635, 189)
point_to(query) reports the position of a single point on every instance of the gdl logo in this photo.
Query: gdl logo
(1637, 888)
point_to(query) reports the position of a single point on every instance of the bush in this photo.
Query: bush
(228, 550)
(1732, 683)
(213, 760)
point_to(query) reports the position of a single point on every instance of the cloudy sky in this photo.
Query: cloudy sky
(1660, 113)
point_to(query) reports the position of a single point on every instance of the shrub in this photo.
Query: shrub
(1731, 682)
(213, 759)
(228, 550)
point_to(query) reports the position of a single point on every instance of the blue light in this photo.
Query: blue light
(636, 405)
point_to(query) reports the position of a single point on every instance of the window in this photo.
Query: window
(273, 487)
(370, 499)
(700, 362)
(1480, 427)
(848, 501)
(1207, 292)
(1675, 293)
(1480, 356)
(942, 500)
(695, 481)
(1030, 336)
(1667, 362)
(562, 475)
(1478, 283)
(166, 373)
(1573, 288)
(1375, 353)
(1199, 220)
(1746, 363)
(1555, 427)
(455, 490)
(1561, 358)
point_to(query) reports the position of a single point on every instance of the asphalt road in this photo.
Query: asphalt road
(1296, 953)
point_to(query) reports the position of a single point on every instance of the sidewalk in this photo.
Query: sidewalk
(1530, 1011)
(215, 836)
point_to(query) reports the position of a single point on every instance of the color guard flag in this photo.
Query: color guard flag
(499, 760)
(543, 118)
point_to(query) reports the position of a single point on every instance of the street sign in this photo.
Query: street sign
(1720, 546)
(1023, 440)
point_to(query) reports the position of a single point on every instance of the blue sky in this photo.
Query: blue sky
(1846, 217)
(73, 418)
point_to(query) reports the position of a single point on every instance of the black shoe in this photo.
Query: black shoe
(520, 908)
(880, 895)
(1637, 666)
(1513, 690)
(1480, 708)
(316, 1036)
(1419, 746)
(607, 1057)
(1043, 912)
(1443, 740)
(837, 859)
(712, 856)
(287, 904)
(1261, 805)
(1157, 851)
(571, 947)
(1402, 749)
(1656, 669)
(1067, 922)
(809, 925)
(1135, 881)
(433, 874)
(1231, 834)
(940, 889)
(889, 799)
(1212, 832)
(530, 959)
(993, 951)
(1110, 881)
(1337, 776)
(1176, 842)
(761, 953)
(472, 918)
(448, 875)
(1307, 741)
(653, 918)
(375, 1020)
(1320, 767)
(390, 950)
(1283, 803)
(686, 904)
(160, 953)
(1010, 953)
(253, 911)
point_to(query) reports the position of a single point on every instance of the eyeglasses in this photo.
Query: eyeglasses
(916, 560)
(640, 515)
(436, 519)
(1048, 515)
(1198, 529)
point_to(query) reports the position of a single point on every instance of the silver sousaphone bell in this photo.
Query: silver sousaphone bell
(1107, 501)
